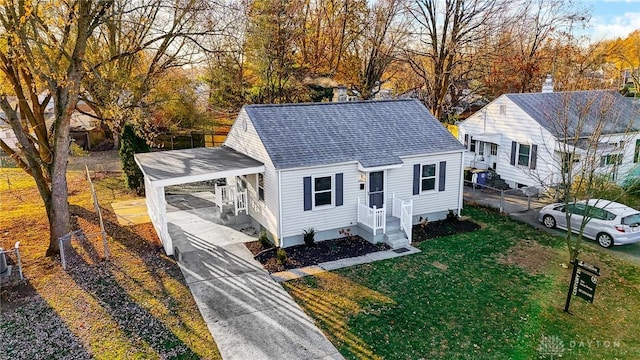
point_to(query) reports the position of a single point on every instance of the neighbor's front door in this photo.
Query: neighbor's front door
(376, 189)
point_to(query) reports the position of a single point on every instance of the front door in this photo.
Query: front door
(376, 189)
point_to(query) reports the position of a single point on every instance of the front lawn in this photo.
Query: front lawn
(135, 305)
(495, 293)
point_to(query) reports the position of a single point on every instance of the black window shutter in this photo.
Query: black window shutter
(442, 176)
(339, 190)
(534, 157)
(416, 179)
(307, 193)
(514, 148)
(466, 141)
(636, 153)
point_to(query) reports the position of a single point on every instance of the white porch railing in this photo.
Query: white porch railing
(372, 217)
(241, 201)
(229, 195)
(403, 209)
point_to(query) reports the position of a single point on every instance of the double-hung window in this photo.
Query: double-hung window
(524, 154)
(260, 186)
(494, 149)
(481, 148)
(428, 178)
(322, 191)
(611, 159)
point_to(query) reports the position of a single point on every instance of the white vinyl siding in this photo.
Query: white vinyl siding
(526, 132)
(397, 180)
(400, 182)
(248, 142)
(295, 219)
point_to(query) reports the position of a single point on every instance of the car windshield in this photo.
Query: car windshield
(631, 220)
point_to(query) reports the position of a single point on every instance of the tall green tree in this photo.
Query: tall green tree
(131, 145)
(273, 31)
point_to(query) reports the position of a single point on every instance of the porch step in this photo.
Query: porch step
(393, 224)
(229, 218)
(396, 239)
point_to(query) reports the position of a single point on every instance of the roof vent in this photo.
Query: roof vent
(547, 87)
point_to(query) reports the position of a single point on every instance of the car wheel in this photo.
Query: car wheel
(605, 240)
(549, 221)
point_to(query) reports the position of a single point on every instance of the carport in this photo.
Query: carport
(177, 167)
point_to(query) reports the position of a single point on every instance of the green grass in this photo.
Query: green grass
(469, 305)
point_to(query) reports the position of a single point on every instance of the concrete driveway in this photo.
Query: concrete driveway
(249, 315)
(517, 210)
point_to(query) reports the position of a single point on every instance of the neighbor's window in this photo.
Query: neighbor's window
(322, 190)
(566, 162)
(611, 159)
(503, 109)
(524, 154)
(480, 147)
(636, 153)
(260, 186)
(472, 145)
(494, 149)
(428, 177)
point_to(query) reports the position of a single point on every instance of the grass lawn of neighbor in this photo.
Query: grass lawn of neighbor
(133, 306)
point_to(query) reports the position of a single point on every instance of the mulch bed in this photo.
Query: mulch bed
(302, 255)
(442, 228)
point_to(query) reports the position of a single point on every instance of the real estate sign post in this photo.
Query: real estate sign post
(583, 282)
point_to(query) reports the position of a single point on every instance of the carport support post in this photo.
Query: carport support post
(501, 200)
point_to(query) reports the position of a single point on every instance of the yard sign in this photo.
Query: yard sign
(583, 282)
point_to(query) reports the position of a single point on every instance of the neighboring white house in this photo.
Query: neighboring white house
(523, 136)
(374, 167)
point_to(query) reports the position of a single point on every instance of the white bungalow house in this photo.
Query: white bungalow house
(523, 136)
(373, 167)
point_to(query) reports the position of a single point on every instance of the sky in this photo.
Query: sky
(612, 18)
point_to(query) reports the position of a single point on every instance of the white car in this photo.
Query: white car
(609, 223)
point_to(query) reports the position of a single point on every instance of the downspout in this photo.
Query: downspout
(461, 184)
(484, 129)
(280, 239)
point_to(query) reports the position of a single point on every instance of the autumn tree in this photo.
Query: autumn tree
(273, 31)
(383, 34)
(445, 30)
(138, 46)
(43, 47)
(624, 54)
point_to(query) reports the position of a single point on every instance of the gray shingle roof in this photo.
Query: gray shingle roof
(579, 111)
(375, 133)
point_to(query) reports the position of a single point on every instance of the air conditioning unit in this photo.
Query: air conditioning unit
(5, 270)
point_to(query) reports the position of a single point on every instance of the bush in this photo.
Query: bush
(76, 150)
(451, 217)
(309, 236)
(281, 256)
(130, 145)
(264, 239)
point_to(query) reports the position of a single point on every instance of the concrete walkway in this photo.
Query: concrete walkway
(343, 263)
(249, 315)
